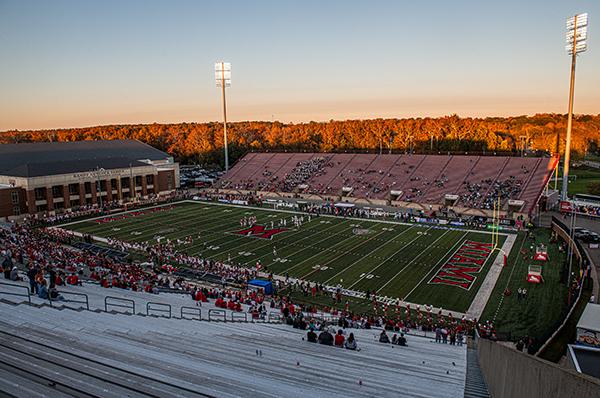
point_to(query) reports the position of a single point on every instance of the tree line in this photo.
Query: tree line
(203, 142)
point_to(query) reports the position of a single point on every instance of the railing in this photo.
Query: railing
(85, 300)
(161, 308)
(190, 311)
(28, 294)
(120, 303)
(274, 316)
(239, 317)
(213, 313)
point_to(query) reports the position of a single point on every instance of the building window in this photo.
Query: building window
(113, 184)
(88, 187)
(124, 182)
(73, 189)
(40, 193)
(103, 185)
(14, 196)
(57, 191)
(150, 179)
(41, 208)
(138, 181)
(170, 181)
(16, 210)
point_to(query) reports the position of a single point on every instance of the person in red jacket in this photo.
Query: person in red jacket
(339, 339)
(219, 302)
(73, 279)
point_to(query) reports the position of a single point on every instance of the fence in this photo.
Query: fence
(118, 302)
(510, 373)
(184, 312)
(21, 291)
(582, 260)
(125, 305)
(217, 315)
(85, 299)
(161, 308)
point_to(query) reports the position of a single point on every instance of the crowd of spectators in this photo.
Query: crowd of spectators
(414, 182)
(302, 172)
(483, 195)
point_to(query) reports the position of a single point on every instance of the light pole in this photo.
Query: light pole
(223, 80)
(576, 43)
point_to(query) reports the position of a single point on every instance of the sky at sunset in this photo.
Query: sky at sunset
(84, 63)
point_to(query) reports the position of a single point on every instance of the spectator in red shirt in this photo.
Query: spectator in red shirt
(339, 339)
(73, 279)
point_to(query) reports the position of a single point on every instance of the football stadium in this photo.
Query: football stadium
(356, 256)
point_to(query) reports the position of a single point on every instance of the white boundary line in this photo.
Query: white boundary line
(443, 258)
(485, 290)
(411, 261)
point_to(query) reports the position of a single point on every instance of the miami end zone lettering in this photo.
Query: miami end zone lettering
(461, 269)
(259, 231)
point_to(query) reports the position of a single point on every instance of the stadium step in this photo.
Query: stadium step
(475, 386)
(221, 358)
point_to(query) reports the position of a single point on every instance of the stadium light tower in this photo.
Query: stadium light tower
(223, 79)
(576, 43)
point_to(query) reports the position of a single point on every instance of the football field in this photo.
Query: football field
(419, 263)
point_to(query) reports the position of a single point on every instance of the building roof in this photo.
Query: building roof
(586, 359)
(590, 319)
(51, 158)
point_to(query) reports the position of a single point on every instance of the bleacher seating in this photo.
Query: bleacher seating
(60, 352)
(425, 179)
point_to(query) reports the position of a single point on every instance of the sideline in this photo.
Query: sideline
(487, 287)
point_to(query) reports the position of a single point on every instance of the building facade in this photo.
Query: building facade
(57, 176)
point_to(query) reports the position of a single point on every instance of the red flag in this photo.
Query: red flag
(505, 260)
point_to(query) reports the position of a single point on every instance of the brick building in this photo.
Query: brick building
(54, 176)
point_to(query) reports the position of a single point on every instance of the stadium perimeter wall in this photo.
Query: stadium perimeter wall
(510, 373)
(367, 202)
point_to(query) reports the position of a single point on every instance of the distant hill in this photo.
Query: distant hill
(203, 142)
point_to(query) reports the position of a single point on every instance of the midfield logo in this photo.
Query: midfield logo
(459, 270)
(259, 231)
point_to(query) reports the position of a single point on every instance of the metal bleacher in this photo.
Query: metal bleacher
(61, 352)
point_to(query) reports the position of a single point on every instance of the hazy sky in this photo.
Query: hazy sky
(83, 63)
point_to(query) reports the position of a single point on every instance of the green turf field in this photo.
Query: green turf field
(396, 260)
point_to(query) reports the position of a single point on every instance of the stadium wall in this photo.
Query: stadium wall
(510, 373)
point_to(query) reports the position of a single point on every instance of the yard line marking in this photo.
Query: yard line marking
(287, 237)
(304, 247)
(319, 253)
(412, 261)
(393, 222)
(235, 238)
(444, 258)
(356, 262)
(387, 259)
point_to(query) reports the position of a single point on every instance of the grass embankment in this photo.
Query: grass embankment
(543, 310)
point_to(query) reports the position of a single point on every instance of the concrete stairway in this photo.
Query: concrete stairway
(475, 386)
(52, 352)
